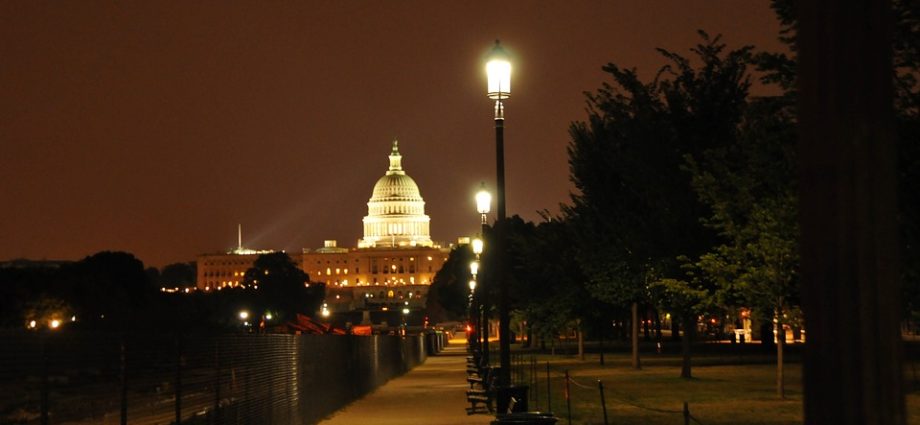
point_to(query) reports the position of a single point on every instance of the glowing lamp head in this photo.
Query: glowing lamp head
(405, 311)
(55, 324)
(477, 246)
(474, 268)
(498, 69)
(472, 285)
(244, 315)
(483, 200)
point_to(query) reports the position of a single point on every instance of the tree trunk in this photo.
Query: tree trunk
(689, 322)
(848, 214)
(657, 317)
(634, 332)
(780, 343)
(581, 340)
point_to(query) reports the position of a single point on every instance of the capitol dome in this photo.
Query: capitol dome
(396, 211)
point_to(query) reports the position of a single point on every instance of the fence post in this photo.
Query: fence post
(686, 414)
(549, 397)
(124, 382)
(568, 398)
(44, 390)
(533, 381)
(216, 414)
(178, 379)
(600, 386)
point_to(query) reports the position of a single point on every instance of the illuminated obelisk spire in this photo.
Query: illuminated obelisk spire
(239, 236)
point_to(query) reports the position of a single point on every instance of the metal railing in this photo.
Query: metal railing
(105, 378)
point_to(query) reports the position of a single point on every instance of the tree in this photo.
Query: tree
(107, 289)
(178, 274)
(634, 211)
(750, 187)
(282, 288)
(448, 298)
(548, 285)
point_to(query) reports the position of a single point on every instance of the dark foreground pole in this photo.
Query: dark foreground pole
(848, 217)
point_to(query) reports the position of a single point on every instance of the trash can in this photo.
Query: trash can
(504, 396)
(525, 418)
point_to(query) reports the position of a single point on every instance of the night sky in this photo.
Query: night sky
(156, 127)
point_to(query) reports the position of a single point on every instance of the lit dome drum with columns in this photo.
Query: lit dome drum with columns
(396, 211)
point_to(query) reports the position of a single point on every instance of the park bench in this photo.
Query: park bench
(482, 396)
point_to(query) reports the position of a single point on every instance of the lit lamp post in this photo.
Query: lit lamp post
(498, 70)
(483, 205)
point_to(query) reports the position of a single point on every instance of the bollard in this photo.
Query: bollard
(568, 398)
(686, 414)
(600, 386)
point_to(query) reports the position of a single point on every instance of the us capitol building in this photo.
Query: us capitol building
(391, 269)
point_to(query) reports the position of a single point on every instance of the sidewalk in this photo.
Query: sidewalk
(432, 393)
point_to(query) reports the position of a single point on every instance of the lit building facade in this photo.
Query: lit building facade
(396, 211)
(395, 262)
(392, 267)
(226, 269)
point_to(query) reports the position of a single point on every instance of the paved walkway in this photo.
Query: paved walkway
(432, 393)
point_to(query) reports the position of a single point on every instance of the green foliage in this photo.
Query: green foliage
(549, 287)
(635, 213)
(750, 188)
(178, 274)
(448, 297)
(282, 287)
(107, 289)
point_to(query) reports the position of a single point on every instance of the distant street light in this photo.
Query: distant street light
(472, 286)
(483, 202)
(481, 309)
(474, 268)
(498, 70)
(244, 314)
(477, 247)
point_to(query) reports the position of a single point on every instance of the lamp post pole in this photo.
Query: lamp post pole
(498, 69)
(483, 205)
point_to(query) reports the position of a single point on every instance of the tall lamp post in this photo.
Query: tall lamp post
(483, 205)
(498, 70)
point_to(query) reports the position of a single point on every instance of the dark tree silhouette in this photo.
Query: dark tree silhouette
(280, 287)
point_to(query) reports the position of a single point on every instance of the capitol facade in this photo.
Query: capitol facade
(390, 269)
(396, 211)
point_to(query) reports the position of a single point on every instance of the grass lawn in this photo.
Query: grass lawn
(723, 390)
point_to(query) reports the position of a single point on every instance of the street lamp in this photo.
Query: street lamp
(477, 247)
(483, 202)
(483, 206)
(498, 70)
(474, 268)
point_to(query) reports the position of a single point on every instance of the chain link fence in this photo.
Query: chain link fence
(147, 379)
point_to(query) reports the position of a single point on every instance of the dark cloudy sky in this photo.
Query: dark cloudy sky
(155, 127)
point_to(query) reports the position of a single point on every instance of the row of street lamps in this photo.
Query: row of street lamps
(498, 71)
